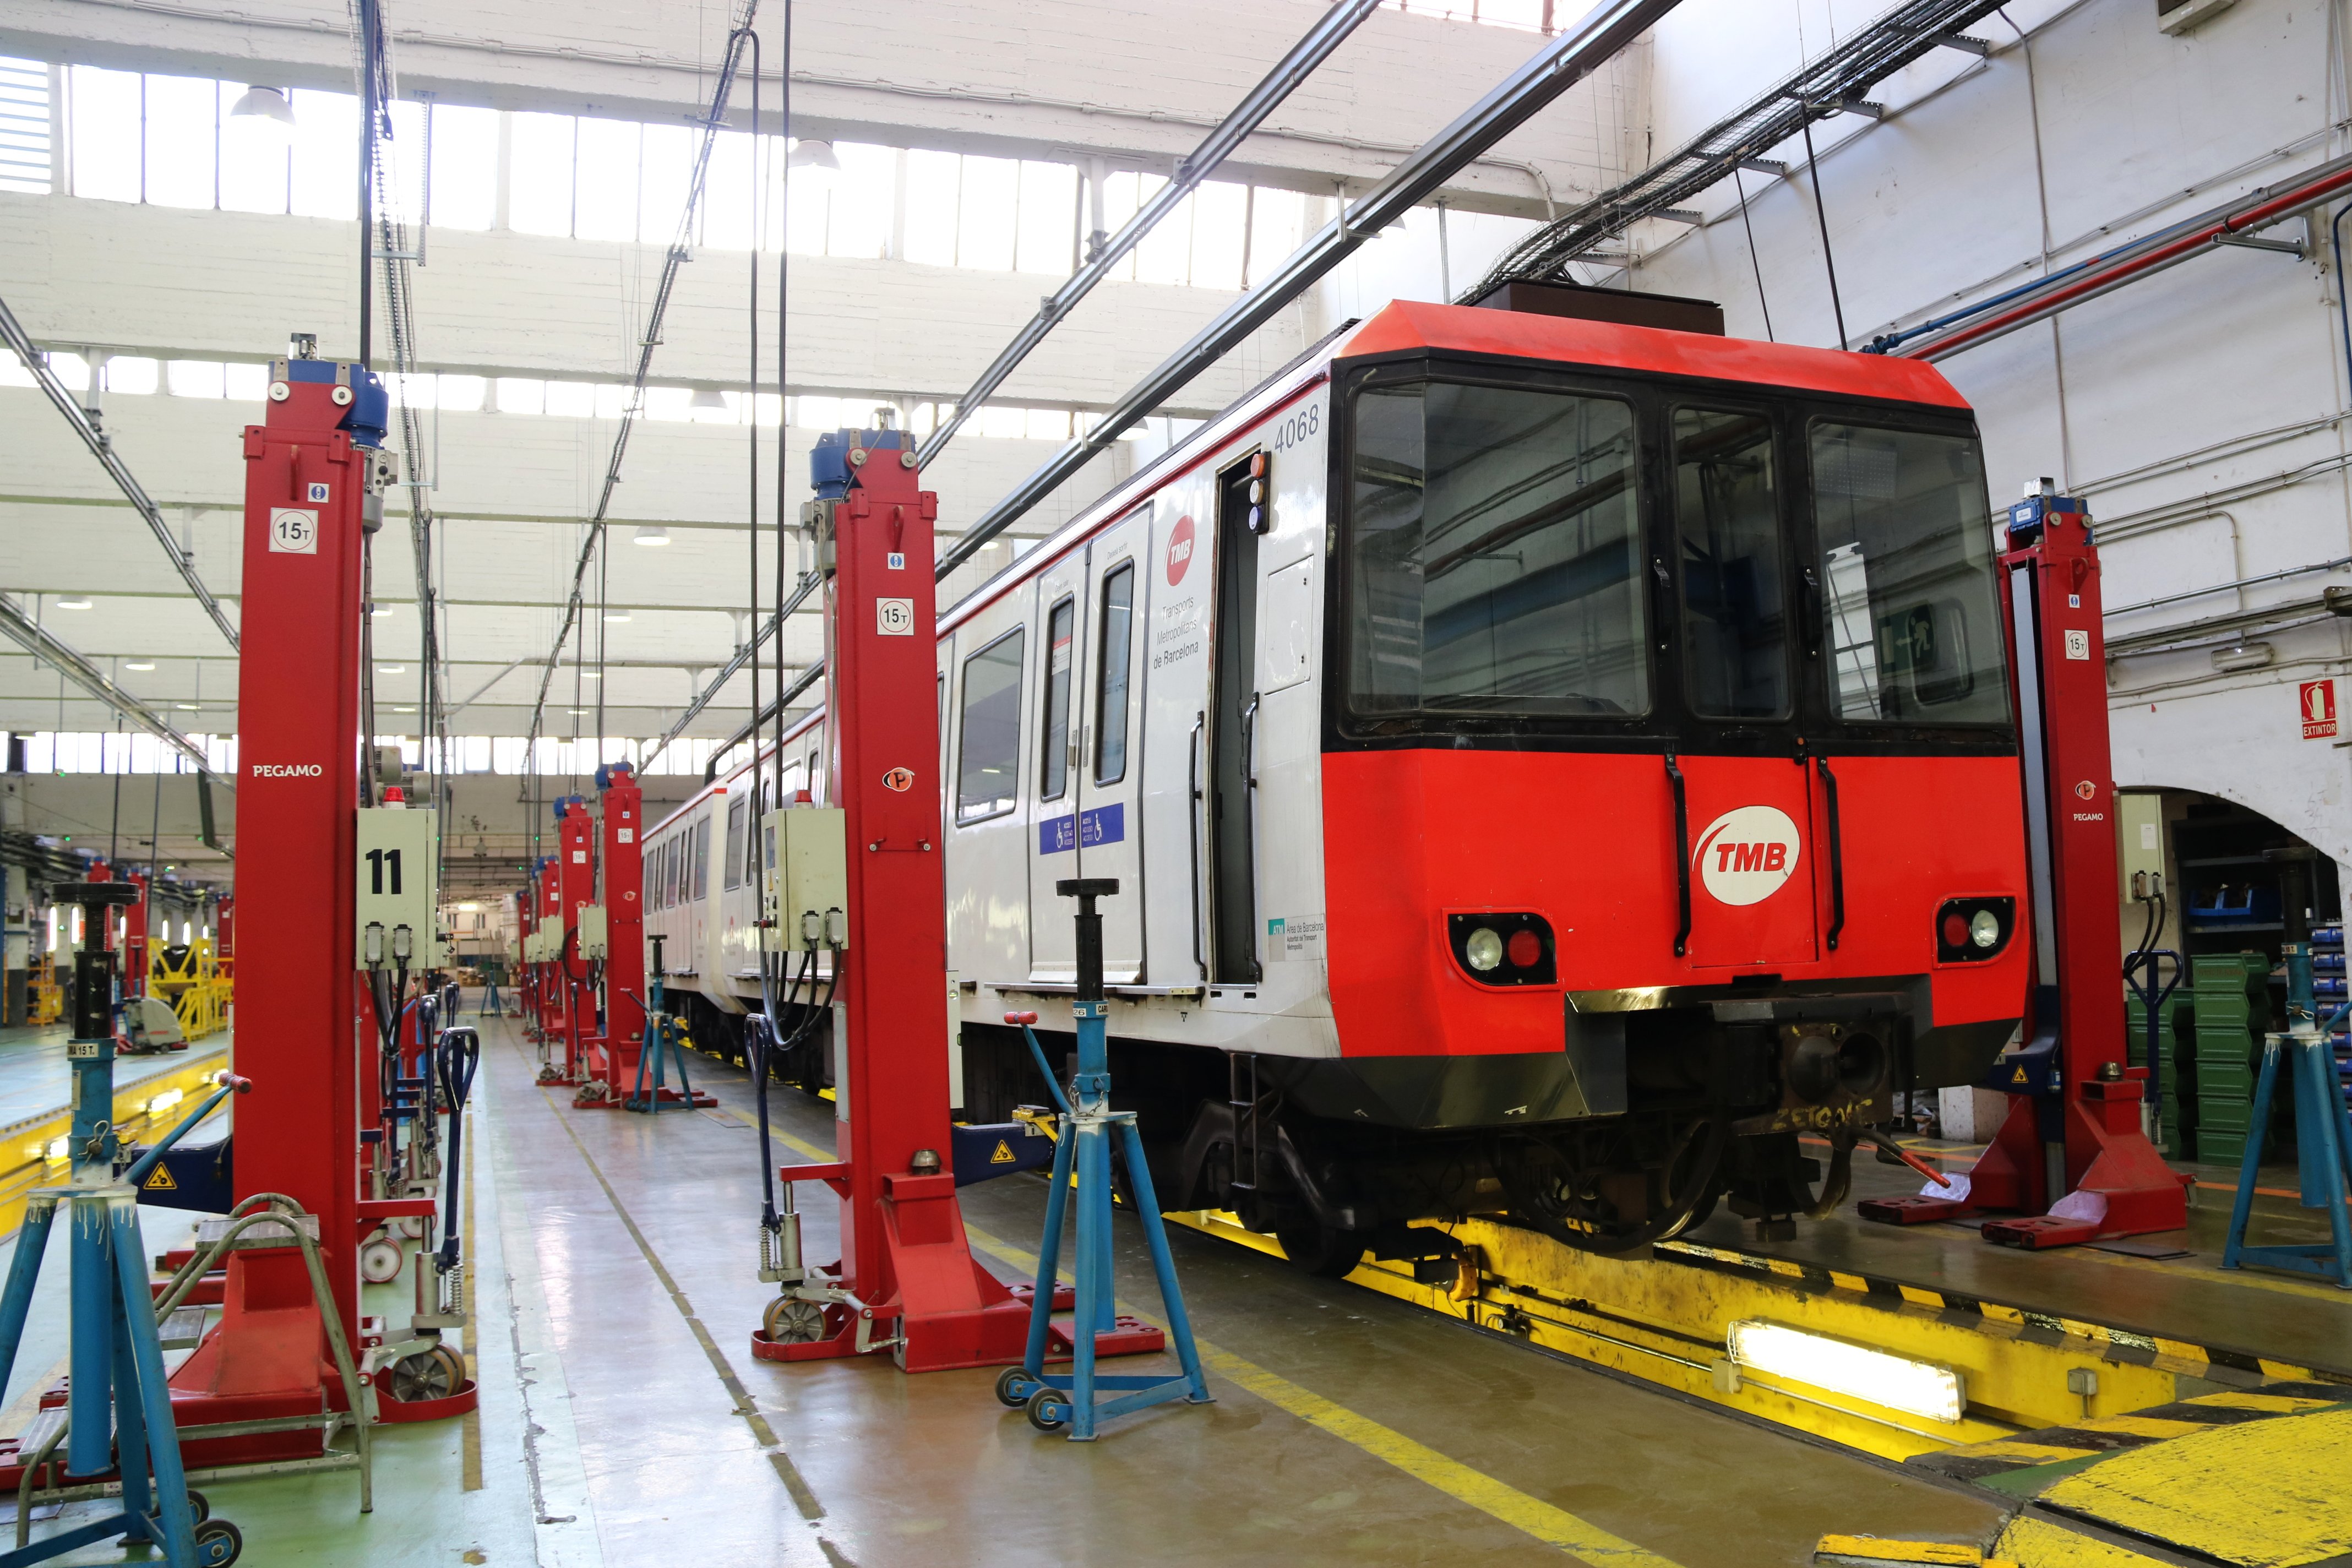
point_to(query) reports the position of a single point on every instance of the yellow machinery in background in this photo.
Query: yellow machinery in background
(45, 998)
(189, 976)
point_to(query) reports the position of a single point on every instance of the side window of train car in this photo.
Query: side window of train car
(1727, 518)
(989, 759)
(735, 813)
(701, 857)
(1054, 758)
(1112, 648)
(1911, 615)
(1494, 554)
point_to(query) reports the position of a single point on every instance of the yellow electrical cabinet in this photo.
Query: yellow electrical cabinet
(2139, 844)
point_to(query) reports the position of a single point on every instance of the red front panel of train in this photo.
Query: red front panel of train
(1587, 842)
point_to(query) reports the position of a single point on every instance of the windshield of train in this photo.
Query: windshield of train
(1495, 537)
(1907, 580)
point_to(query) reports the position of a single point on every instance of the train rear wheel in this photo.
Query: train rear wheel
(1318, 1249)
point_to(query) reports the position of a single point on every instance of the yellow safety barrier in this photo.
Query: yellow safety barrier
(191, 980)
(33, 1151)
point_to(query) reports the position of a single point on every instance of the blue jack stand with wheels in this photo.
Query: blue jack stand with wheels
(2323, 1123)
(660, 1048)
(119, 1409)
(1088, 1124)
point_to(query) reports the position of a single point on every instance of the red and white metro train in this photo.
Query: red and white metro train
(1548, 765)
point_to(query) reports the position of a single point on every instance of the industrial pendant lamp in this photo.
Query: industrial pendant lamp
(817, 156)
(652, 534)
(266, 109)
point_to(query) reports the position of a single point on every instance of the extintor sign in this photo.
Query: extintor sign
(2319, 710)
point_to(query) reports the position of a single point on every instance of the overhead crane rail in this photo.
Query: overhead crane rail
(1834, 85)
(1560, 64)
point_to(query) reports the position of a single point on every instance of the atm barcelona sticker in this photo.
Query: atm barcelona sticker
(1103, 825)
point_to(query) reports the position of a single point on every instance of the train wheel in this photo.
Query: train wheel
(1326, 1253)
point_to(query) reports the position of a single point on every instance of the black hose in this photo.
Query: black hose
(459, 1053)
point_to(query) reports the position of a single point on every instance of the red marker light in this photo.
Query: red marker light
(1525, 949)
(1955, 930)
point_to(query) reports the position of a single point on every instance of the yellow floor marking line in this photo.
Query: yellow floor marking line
(1881, 1548)
(2266, 1491)
(2238, 1276)
(1552, 1526)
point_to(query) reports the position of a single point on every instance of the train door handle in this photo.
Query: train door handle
(1682, 857)
(1192, 823)
(1837, 854)
(1249, 742)
(1249, 822)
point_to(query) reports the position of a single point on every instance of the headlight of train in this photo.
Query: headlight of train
(1504, 949)
(1969, 930)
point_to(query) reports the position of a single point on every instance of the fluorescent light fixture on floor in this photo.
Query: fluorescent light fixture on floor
(1874, 1376)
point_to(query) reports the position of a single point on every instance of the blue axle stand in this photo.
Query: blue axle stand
(2323, 1123)
(1088, 1124)
(119, 1407)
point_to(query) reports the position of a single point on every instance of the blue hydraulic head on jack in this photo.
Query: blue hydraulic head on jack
(119, 1410)
(1088, 1124)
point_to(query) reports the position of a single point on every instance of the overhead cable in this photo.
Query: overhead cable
(102, 449)
(1328, 34)
(37, 640)
(1833, 84)
(1559, 65)
(679, 253)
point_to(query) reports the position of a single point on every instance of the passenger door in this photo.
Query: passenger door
(1057, 612)
(1108, 771)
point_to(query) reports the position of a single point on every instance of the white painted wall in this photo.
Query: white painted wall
(2095, 128)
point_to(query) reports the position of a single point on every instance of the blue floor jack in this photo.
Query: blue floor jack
(1088, 1123)
(2323, 1123)
(119, 1407)
(661, 1047)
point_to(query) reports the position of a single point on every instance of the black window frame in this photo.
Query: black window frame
(963, 703)
(1053, 762)
(1128, 684)
(1813, 722)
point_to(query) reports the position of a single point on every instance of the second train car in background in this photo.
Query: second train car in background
(1550, 768)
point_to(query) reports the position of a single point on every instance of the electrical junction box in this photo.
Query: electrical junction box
(592, 931)
(808, 869)
(2139, 841)
(397, 883)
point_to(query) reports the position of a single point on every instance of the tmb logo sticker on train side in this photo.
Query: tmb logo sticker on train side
(1180, 550)
(1746, 854)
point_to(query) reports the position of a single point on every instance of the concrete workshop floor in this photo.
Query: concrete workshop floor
(35, 1078)
(615, 1291)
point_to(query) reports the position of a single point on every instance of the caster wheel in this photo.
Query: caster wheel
(1014, 1387)
(379, 1262)
(410, 1226)
(790, 1320)
(435, 1373)
(199, 1505)
(217, 1544)
(1049, 1410)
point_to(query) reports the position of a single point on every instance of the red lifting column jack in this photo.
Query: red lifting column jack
(906, 1280)
(2071, 1159)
